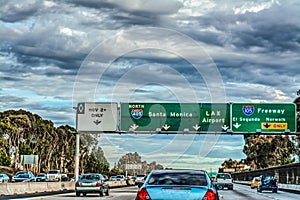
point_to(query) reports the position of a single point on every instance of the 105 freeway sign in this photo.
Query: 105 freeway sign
(247, 117)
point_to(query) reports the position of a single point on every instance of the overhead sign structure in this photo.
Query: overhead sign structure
(97, 117)
(239, 118)
(174, 117)
(252, 118)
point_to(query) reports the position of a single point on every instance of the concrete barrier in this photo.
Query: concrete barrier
(40, 187)
(284, 187)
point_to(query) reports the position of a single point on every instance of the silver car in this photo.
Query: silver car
(92, 183)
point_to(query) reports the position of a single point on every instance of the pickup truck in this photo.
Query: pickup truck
(223, 180)
(53, 175)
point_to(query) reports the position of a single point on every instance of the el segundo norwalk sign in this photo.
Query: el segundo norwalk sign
(263, 118)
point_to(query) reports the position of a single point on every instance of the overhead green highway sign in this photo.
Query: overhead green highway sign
(264, 118)
(174, 117)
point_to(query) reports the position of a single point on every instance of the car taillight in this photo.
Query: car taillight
(98, 184)
(210, 195)
(143, 194)
(76, 184)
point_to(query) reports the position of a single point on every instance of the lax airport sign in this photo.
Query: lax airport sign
(183, 117)
(243, 118)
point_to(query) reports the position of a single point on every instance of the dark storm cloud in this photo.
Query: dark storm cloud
(14, 10)
(11, 99)
(138, 7)
(270, 29)
(137, 12)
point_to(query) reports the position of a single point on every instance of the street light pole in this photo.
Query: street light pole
(77, 154)
(76, 172)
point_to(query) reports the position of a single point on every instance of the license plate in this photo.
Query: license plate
(87, 184)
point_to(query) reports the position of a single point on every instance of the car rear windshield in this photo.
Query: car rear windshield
(94, 177)
(53, 172)
(178, 179)
(224, 176)
(23, 176)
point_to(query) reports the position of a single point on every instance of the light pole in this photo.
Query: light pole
(77, 154)
(76, 172)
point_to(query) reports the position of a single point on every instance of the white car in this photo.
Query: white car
(223, 180)
(140, 178)
(53, 175)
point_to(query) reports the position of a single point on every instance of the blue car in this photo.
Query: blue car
(175, 184)
(4, 178)
(267, 183)
(23, 176)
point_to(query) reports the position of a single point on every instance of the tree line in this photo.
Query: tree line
(25, 133)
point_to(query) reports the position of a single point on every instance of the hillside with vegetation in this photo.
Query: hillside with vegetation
(25, 133)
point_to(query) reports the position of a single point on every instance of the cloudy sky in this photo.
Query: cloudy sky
(54, 54)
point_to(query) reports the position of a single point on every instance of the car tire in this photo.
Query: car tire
(107, 192)
(259, 190)
(274, 191)
(101, 193)
(77, 194)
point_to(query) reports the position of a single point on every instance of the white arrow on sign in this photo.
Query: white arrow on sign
(196, 127)
(236, 125)
(224, 127)
(166, 127)
(134, 126)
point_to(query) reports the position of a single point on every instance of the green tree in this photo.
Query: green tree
(268, 151)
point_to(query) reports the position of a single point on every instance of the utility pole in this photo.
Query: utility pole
(77, 154)
(76, 171)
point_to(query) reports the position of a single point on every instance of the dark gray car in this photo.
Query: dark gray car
(92, 183)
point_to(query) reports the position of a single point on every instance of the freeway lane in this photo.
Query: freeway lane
(126, 193)
(245, 192)
(240, 192)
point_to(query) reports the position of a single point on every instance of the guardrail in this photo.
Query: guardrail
(41, 187)
(284, 187)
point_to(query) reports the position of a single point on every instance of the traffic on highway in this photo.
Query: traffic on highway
(129, 193)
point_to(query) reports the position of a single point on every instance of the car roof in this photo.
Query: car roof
(178, 171)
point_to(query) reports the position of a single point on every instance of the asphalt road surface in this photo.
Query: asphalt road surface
(240, 192)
